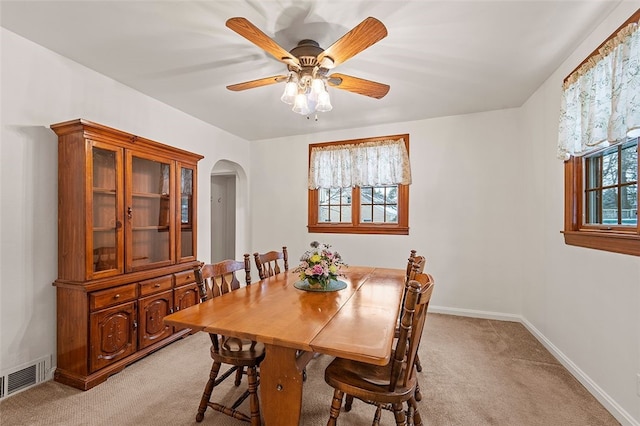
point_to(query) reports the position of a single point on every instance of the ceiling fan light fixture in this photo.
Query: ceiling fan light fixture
(317, 87)
(290, 90)
(308, 65)
(324, 102)
(301, 105)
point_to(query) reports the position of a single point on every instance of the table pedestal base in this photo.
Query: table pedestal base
(281, 386)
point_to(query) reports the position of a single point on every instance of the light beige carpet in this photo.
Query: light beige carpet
(476, 372)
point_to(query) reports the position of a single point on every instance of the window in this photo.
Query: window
(359, 208)
(598, 139)
(611, 186)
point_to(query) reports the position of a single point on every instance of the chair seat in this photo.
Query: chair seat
(366, 381)
(239, 352)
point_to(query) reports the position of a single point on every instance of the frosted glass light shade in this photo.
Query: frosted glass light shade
(324, 102)
(290, 91)
(317, 87)
(301, 106)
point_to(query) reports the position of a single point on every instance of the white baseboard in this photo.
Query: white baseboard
(609, 403)
(475, 314)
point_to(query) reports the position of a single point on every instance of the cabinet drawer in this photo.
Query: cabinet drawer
(112, 296)
(155, 285)
(185, 277)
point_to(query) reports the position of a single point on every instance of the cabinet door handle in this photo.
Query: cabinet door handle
(135, 325)
(129, 212)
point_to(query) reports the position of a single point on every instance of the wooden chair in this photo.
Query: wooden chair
(215, 280)
(269, 264)
(415, 266)
(393, 385)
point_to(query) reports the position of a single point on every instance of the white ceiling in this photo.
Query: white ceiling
(440, 58)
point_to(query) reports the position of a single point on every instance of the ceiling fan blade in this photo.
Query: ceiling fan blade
(363, 35)
(257, 83)
(358, 85)
(252, 33)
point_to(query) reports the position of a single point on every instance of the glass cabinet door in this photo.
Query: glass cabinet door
(186, 209)
(149, 213)
(106, 221)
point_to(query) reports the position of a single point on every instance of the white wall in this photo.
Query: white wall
(40, 88)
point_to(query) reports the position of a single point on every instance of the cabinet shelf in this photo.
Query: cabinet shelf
(104, 191)
(150, 228)
(104, 229)
(149, 195)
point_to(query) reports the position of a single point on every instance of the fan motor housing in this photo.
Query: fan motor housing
(307, 52)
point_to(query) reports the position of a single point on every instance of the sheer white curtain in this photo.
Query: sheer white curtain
(363, 164)
(601, 100)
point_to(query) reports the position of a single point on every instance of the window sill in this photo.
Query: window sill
(615, 242)
(362, 229)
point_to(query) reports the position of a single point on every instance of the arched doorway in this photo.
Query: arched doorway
(227, 182)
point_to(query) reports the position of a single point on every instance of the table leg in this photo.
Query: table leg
(280, 387)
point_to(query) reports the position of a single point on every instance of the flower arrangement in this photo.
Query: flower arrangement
(319, 265)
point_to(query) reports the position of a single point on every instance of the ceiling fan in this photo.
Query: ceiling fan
(308, 65)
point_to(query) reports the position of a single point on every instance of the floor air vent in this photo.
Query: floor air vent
(23, 377)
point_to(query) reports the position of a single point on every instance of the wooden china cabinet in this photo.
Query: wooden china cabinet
(126, 248)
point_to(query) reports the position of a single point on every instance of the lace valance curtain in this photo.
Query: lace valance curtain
(364, 164)
(601, 99)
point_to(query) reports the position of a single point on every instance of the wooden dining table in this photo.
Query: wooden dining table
(357, 323)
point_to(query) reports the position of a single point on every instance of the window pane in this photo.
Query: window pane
(365, 214)
(392, 195)
(610, 169)
(323, 214)
(609, 206)
(592, 166)
(392, 214)
(379, 204)
(334, 205)
(346, 213)
(629, 172)
(593, 207)
(629, 202)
